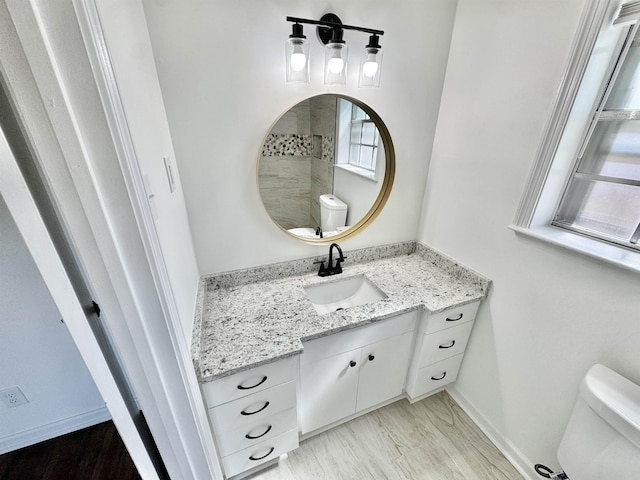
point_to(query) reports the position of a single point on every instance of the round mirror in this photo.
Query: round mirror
(326, 168)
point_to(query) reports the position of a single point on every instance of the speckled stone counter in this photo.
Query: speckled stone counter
(250, 317)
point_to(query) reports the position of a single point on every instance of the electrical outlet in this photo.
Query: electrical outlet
(13, 397)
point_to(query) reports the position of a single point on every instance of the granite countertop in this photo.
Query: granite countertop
(245, 325)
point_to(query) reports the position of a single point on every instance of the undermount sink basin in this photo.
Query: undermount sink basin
(343, 293)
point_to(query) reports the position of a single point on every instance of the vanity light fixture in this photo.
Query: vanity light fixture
(336, 53)
(330, 31)
(297, 55)
(371, 63)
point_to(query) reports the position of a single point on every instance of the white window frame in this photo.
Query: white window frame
(360, 143)
(344, 125)
(595, 49)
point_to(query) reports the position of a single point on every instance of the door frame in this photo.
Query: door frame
(23, 209)
(112, 251)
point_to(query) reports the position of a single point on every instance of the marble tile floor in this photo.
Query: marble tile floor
(430, 440)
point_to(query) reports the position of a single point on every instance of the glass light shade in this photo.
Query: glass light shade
(370, 67)
(297, 58)
(335, 63)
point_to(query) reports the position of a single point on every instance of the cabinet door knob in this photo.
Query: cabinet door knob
(455, 319)
(264, 379)
(253, 437)
(449, 345)
(244, 412)
(264, 456)
(371, 358)
(444, 374)
(352, 363)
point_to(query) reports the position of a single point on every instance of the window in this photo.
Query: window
(602, 198)
(359, 149)
(363, 140)
(583, 192)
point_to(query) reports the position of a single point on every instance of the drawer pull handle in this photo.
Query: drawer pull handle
(243, 412)
(264, 456)
(456, 318)
(352, 363)
(444, 374)
(251, 437)
(264, 379)
(371, 358)
(453, 342)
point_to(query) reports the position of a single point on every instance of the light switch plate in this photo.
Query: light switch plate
(169, 169)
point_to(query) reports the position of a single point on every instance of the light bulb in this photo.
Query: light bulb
(335, 65)
(370, 68)
(297, 56)
(370, 64)
(298, 61)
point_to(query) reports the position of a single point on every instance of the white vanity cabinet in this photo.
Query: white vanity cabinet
(352, 371)
(254, 414)
(441, 341)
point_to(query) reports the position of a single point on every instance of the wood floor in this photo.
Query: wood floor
(94, 453)
(430, 440)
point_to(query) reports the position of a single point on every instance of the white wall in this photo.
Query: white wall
(551, 314)
(356, 191)
(221, 70)
(37, 353)
(138, 86)
(132, 60)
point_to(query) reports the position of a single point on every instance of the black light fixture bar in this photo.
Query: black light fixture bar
(334, 25)
(330, 31)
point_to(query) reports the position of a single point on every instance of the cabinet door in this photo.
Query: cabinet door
(328, 389)
(383, 370)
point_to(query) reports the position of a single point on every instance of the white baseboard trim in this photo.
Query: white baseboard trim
(52, 430)
(508, 449)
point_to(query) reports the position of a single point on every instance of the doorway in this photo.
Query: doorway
(49, 390)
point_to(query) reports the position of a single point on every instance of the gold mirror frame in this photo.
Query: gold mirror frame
(383, 194)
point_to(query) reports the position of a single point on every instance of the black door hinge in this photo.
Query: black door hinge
(96, 308)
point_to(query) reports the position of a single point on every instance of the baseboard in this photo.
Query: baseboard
(52, 430)
(508, 449)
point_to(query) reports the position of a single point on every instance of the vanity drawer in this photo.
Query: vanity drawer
(250, 381)
(261, 453)
(451, 317)
(436, 376)
(255, 407)
(444, 343)
(347, 340)
(260, 430)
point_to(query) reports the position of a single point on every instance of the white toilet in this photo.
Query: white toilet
(602, 439)
(333, 213)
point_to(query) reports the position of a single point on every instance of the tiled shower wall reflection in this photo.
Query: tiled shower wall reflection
(290, 177)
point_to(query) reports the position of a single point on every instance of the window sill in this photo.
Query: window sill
(368, 174)
(612, 254)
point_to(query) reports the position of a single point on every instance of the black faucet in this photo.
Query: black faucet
(332, 269)
(319, 231)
